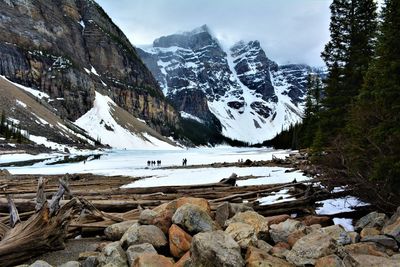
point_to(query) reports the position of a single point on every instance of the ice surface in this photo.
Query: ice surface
(338, 205)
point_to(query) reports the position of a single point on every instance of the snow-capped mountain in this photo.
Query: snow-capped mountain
(252, 97)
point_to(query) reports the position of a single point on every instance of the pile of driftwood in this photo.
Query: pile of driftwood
(31, 224)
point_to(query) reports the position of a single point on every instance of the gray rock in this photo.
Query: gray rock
(254, 219)
(140, 234)
(382, 240)
(244, 234)
(338, 233)
(71, 264)
(91, 261)
(147, 216)
(215, 249)
(115, 231)
(264, 246)
(227, 210)
(113, 255)
(280, 232)
(311, 247)
(373, 219)
(193, 219)
(135, 250)
(392, 227)
(364, 260)
(40, 263)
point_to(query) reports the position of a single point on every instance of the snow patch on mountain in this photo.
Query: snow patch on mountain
(100, 124)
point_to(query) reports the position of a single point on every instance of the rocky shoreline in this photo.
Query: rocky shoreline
(185, 232)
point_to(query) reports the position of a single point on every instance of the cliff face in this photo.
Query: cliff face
(69, 49)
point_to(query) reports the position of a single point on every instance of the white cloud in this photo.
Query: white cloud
(289, 30)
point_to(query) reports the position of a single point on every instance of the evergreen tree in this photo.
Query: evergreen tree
(3, 123)
(374, 151)
(347, 56)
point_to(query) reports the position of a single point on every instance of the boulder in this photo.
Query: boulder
(113, 255)
(280, 232)
(84, 255)
(179, 241)
(163, 219)
(354, 236)
(215, 248)
(261, 244)
(227, 210)
(91, 261)
(140, 234)
(256, 257)
(321, 220)
(147, 216)
(135, 251)
(373, 219)
(244, 234)
(329, 261)
(310, 248)
(392, 227)
(184, 261)
(201, 202)
(369, 231)
(369, 248)
(382, 240)
(293, 237)
(151, 260)
(115, 231)
(70, 264)
(193, 219)
(277, 219)
(280, 250)
(338, 233)
(40, 263)
(370, 261)
(254, 219)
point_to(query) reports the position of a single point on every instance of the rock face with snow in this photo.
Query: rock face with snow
(250, 95)
(68, 49)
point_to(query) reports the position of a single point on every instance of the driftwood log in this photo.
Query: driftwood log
(44, 231)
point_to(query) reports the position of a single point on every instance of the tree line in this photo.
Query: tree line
(10, 131)
(354, 113)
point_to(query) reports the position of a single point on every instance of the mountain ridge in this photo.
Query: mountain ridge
(252, 97)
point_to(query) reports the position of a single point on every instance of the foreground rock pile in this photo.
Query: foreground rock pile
(185, 232)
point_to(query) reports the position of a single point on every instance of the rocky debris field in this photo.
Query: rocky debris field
(186, 232)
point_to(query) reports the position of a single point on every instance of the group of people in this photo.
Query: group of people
(151, 163)
(184, 162)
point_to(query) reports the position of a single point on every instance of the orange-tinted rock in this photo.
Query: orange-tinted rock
(322, 220)
(280, 249)
(277, 219)
(185, 258)
(329, 261)
(292, 238)
(151, 260)
(201, 202)
(179, 241)
(256, 257)
(369, 231)
(368, 248)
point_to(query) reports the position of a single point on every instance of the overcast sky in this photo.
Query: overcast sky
(289, 30)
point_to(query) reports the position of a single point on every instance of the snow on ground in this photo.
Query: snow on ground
(134, 162)
(267, 175)
(276, 197)
(20, 103)
(100, 125)
(34, 92)
(190, 116)
(337, 205)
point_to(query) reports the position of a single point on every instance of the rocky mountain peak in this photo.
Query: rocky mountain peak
(246, 92)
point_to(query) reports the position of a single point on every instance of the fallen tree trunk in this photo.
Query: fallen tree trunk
(44, 231)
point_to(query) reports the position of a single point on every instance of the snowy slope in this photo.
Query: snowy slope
(100, 123)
